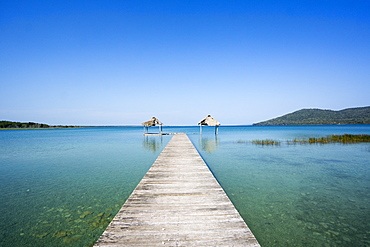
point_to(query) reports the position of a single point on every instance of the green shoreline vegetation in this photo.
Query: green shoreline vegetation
(343, 139)
(31, 125)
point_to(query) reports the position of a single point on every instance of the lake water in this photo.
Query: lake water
(62, 187)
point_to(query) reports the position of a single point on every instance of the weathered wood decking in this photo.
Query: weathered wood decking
(178, 203)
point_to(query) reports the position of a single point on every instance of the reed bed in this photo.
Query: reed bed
(267, 142)
(344, 139)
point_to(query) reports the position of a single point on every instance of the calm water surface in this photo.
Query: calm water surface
(62, 187)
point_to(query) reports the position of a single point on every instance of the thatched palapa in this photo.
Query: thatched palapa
(152, 122)
(209, 121)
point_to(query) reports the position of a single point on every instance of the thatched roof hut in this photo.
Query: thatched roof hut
(152, 122)
(209, 121)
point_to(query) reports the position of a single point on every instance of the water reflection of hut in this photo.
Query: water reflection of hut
(207, 144)
(209, 121)
(152, 143)
(152, 122)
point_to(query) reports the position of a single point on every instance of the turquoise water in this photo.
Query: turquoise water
(62, 187)
(295, 195)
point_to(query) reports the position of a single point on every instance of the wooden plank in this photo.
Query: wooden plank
(178, 203)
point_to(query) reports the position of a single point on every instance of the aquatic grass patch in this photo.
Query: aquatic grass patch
(260, 142)
(345, 139)
(267, 142)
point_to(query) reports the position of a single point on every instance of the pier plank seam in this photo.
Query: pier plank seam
(178, 203)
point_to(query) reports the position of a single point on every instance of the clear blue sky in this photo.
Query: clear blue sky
(122, 62)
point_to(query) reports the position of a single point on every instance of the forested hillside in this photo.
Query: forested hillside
(360, 115)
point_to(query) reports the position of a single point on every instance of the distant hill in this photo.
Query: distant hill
(359, 115)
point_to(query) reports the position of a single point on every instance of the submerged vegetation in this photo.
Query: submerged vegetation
(75, 225)
(345, 139)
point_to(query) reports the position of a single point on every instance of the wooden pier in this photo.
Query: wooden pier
(178, 203)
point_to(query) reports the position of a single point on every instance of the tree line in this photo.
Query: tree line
(28, 125)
